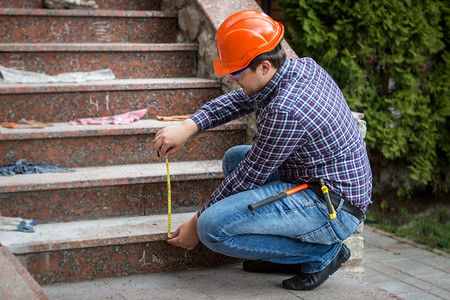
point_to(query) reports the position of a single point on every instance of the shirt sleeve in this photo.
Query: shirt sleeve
(279, 134)
(222, 109)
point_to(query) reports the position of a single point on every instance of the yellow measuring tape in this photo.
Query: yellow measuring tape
(169, 199)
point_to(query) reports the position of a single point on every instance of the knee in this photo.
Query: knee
(208, 229)
(233, 157)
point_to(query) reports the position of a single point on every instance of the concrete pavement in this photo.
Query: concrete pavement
(229, 282)
(404, 268)
(395, 269)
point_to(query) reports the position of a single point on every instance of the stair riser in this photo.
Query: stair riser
(102, 4)
(117, 260)
(64, 107)
(113, 150)
(65, 205)
(68, 29)
(124, 64)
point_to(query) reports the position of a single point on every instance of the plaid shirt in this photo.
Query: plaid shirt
(305, 131)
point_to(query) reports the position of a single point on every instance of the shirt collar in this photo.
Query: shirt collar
(268, 90)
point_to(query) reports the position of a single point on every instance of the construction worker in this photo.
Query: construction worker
(305, 133)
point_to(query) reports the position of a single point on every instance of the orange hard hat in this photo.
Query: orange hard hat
(243, 36)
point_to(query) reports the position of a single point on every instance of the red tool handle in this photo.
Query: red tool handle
(258, 204)
(296, 189)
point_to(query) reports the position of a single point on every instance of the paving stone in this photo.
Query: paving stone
(383, 269)
(440, 280)
(411, 271)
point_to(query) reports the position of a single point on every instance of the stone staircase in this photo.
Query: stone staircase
(108, 218)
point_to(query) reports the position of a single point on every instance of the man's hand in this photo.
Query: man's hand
(170, 140)
(186, 235)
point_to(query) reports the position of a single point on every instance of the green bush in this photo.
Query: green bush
(392, 61)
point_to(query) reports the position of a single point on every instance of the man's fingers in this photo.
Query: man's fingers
(175, 241)
(171, 151)
(174, 234)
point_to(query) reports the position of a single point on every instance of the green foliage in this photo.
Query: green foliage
(392, 61)
(430, 227)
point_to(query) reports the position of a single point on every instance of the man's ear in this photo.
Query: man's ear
(266, 66)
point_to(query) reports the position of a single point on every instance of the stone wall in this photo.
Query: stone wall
(198, 21)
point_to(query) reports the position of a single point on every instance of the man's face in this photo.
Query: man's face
(250, 81)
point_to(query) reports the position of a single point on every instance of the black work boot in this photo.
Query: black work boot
(262, 266)
(313, 280)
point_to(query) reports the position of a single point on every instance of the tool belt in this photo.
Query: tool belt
(336, 200)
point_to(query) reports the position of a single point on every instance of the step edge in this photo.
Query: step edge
(92, 233)
(107, 176)
(97, 47)
(58, 130)
(86, 13)
(110, 85)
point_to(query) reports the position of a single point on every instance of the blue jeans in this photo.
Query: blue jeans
(295, 229)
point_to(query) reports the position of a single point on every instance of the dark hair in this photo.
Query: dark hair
(277, 58)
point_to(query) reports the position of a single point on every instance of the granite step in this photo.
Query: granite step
(16, 282)
(102, 192)
(86, 250)
(86, 26)
(61, 102)
(102, 4)
(126, 60)
(72, 146)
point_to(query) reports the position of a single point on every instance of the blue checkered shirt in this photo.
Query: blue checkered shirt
(305, 131)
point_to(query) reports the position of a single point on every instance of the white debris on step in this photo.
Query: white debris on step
(10, 75)
(71, 4)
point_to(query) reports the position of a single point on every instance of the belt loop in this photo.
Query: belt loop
(341, 203)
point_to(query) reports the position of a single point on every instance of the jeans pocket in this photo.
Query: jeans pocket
(324, 235)
(345, 225)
